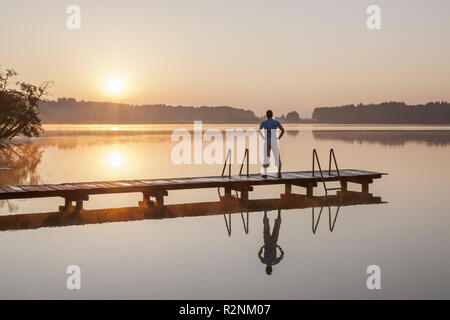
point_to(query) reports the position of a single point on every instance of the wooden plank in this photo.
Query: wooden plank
(34, 188)
(241, 179)
(112, 184)
(50, 187)
(102, 185)
(91, 186)
(107, 185)
(360, 172)
(349, 173)
(124, 183)
(206, 179)
(61, 187)
(290, 175)
(47, 188)
(134, 183)
(244, 179)
(154, 182)
(271, 177)
(137, 183)
(58, 187)
(304, 175)
(74, 186)
(178, 181)
(13, 189)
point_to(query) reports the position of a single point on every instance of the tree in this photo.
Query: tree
(19, 107)
(292, 117)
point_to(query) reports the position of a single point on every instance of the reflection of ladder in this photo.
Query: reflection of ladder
(228, 223)
(331, 225)
(316, 158)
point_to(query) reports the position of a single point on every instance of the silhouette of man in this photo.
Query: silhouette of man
(269, 257)
(270, 127)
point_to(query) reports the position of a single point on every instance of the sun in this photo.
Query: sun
(115, 85)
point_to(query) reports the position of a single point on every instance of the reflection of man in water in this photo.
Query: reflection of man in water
(270, 243)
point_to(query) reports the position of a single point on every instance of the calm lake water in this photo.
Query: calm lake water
(208, 257)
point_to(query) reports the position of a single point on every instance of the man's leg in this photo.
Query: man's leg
(266, 157)
(266, 228)
(276, 228)
(276, 154)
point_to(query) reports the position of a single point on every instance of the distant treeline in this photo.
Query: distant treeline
(71, 111)
(387, 112)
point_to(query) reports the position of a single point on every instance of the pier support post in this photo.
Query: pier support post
(244, 194)
(159, 199)
(309, 191)
(67, 205)
(363, 181)
(308, 185)
(146, 202)
(157, 194)
(227, 192)
(365, 187)
(344, 185)
(287, 189)
(79, 205)
(68, 202)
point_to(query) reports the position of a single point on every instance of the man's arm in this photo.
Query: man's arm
(260, 131)
(282, 131)
(280, 257)
(260, 254)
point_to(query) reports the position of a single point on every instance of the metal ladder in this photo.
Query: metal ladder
(228, 162)
(316, 158)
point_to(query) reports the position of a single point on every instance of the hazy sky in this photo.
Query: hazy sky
(245, 53)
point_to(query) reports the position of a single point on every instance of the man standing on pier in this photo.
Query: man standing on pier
(270, 127)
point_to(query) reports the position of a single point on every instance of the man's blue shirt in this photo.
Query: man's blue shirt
(268, 125)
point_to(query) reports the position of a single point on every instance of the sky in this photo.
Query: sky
(287, 54)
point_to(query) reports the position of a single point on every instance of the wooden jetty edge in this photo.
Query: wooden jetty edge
(225, 206)
(158, 188)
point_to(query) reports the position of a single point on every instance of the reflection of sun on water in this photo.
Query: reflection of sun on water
(114, 129)
(115, 159)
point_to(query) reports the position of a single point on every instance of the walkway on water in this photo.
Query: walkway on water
(158, 188)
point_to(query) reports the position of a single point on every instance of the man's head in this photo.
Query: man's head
(269, 114)
(269, 270)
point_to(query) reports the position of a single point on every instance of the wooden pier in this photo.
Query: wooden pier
(158, 188)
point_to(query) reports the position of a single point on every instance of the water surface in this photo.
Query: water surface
(203, 257)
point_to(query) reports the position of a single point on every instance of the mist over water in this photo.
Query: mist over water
(211, 257)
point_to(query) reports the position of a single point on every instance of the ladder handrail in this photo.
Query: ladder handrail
(225, 164)
(228, 225)
(316, 157)
(246, 229)
(316, 224)
(332, 225)
(332, 155)
(246, 155)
